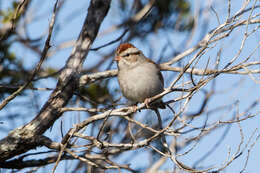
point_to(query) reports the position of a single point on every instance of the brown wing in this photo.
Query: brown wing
(161, 77)
(159, 72)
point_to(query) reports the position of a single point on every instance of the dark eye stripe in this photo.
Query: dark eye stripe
(126, 55)
(134, 53)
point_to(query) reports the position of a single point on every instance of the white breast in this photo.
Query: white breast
(140, 82)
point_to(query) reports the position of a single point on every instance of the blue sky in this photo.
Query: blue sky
(71, 19)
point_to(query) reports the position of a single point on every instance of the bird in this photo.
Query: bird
(139, 77)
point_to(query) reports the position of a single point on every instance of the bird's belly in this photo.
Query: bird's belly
(137, 87)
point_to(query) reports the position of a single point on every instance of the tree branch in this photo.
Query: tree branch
(23, 138)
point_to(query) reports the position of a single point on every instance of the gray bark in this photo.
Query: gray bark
(26, 137)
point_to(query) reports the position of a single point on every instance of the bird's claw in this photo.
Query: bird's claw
(135, 108)
(146, 102)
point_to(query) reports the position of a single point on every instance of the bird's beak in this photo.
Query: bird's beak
(117, 58)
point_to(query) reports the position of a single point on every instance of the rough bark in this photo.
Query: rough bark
(25, 138)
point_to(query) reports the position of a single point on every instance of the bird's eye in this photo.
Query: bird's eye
(126, 55)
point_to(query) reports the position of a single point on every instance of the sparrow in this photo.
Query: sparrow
(139, 77)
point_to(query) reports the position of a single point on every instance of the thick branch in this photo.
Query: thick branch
(14, 143)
